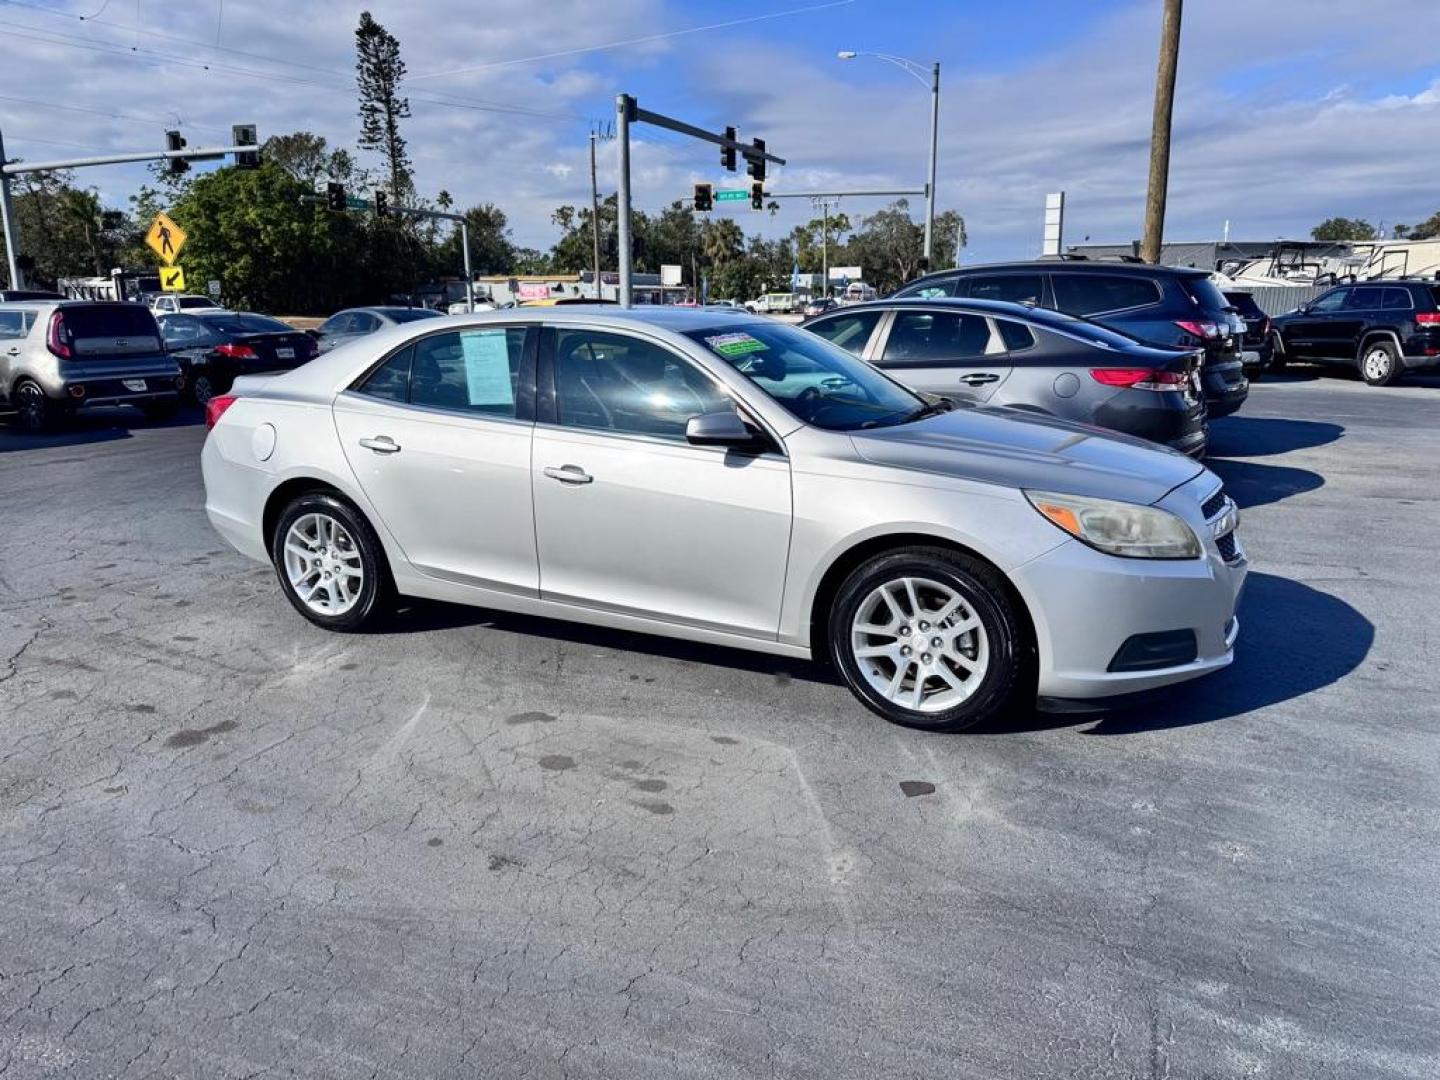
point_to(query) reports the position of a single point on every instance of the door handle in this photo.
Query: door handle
(569, 474)
(381, 444)
(979, 378)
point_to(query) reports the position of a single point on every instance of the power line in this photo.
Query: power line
(150, 121)
(633, 41)
(113, 48)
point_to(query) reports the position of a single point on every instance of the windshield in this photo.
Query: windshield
(187, 302)
(404, 315)
(817, 382)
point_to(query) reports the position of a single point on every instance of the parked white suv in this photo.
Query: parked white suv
(173, 303)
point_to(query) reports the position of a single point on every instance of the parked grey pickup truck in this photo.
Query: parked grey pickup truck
(57, 356)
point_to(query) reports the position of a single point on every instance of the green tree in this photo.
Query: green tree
(888, 246)
(1340, 229)
(491, 251)
(950, 240)
(722, 241)
(1428, 229)
(379, 73)
(64, 229)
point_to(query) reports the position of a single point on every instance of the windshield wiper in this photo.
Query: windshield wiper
(930, 408)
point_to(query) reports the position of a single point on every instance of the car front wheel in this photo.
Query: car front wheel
(330, 564)
(1380, 363)
(930, 638)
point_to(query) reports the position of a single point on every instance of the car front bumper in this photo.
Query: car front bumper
(1086, 607)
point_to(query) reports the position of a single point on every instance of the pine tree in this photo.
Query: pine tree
(379, 72)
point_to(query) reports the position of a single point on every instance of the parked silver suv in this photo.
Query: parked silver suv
(57, 356)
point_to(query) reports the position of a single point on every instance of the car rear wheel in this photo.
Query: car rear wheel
(1277, 357)
(1380, 363)
(202, 388)
(930, 638)
(330, 564)
(32, 408)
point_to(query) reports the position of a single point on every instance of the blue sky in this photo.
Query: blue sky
(1288, 111)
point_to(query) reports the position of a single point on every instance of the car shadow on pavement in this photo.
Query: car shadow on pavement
(105, 425)
(424, 616)
(1258, 436)
(1294, 640)
(1251, 484)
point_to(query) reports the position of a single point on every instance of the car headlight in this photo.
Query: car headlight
(1119, 528)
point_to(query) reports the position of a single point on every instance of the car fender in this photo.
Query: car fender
(1370, 335)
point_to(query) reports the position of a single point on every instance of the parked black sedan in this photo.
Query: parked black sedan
(992, 353)
(215, 346)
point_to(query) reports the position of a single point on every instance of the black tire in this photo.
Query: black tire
(202, 387)
(377, 591)
(1007, 677)
(34, 412)
(1380, 363)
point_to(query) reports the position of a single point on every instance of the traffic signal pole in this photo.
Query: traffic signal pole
(627, 111)
(7, 170)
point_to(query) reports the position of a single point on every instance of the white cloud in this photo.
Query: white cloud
(1287, 112)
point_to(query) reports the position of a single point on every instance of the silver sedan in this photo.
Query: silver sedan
(732, 480)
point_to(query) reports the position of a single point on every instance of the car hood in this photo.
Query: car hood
(1012, 449)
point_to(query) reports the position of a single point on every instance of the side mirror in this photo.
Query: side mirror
(719, 429)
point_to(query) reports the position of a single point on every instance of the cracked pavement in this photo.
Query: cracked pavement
(233, 845)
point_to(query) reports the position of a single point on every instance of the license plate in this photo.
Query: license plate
(285, 354)
(137, 385)
(1251, 358)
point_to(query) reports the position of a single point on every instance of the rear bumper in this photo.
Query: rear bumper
(1225, 385)
(1168, 418)
(83, 393)
(1086, 605)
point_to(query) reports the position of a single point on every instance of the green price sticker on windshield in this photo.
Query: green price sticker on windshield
(735, 344)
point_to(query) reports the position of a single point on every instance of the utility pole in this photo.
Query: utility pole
(7, 220)
(1160, 132)
(934, 153)
(624, 104)
(595, 213)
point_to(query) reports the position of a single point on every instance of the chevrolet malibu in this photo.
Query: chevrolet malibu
(731, 480)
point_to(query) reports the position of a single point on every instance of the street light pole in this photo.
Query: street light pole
(623, 106)
(934, 151)
(933, 81)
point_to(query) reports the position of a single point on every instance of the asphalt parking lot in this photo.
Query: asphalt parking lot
(233, 845)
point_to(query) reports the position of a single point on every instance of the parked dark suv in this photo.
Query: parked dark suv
(1384, 329)
(1162, 305)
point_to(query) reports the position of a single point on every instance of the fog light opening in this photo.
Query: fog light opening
(77, 392)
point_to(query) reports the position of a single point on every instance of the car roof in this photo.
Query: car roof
(67, 302)
(1040, 316)
(1066, 266)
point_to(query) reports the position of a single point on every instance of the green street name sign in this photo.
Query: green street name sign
(352, 203)
(727, 195)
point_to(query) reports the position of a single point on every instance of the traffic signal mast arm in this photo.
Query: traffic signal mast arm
(17, 168)
(749, 151)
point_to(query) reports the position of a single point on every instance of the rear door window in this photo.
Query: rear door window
(850, 331)
(1090, 294)
(1397, 300)
(1017, 288)
(472, 371)
(1366, 298)
(391, 380)
(935, 337)
(15, 324)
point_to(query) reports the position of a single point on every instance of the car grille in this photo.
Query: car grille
(1214, 504)
(1227, 546)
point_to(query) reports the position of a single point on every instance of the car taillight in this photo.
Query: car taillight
(215, 408)
(1427, 318)
(1140, 378)
(1265, 327)
(1198, 329)
(57, 338)
(236, 352)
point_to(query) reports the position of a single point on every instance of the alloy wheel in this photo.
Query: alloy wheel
(323, 564)
(1377, 364)
(919, 644)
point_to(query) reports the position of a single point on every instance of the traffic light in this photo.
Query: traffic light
(173, 142)
(727, 153)
(245, 135)
(382, 203)
(704, 197)
(757, 164)
(757, 196)
(335, 196)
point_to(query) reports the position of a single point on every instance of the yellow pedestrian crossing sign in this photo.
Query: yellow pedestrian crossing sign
(172, 279)
(165, 238)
